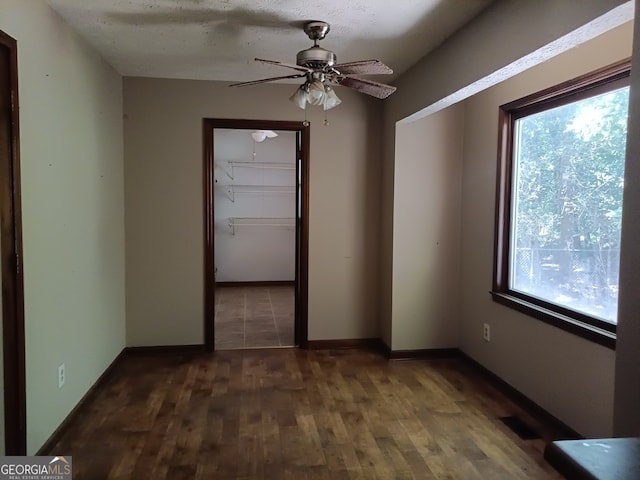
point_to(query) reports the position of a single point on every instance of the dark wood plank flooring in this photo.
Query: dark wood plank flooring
(296, 414)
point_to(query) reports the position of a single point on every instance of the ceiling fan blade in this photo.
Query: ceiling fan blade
(363, 67)
(264, 80)
(281, 64)
(375, 89)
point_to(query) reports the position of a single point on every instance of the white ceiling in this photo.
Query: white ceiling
(218, 39)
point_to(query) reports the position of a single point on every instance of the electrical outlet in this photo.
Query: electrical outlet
(486, 332)
(62, 375)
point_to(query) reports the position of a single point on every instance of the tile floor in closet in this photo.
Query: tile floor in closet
(254, 317)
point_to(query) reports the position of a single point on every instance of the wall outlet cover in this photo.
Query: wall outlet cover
(62, 375)
(486, 332)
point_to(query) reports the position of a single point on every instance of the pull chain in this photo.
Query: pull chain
(306, 122)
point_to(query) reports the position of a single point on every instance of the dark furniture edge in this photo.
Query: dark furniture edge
(595, 458)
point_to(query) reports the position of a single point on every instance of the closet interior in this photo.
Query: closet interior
(255, 238)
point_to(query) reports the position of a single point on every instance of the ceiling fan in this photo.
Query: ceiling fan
(319, 68)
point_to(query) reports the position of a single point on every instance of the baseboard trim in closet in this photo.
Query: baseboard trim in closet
(275, 283)
(47, 447)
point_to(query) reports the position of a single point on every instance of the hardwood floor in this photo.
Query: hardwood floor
(254, 317)
(298, 414)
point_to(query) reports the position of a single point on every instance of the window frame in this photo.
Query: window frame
(600, 81)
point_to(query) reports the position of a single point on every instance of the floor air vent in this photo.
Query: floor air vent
(524, 431)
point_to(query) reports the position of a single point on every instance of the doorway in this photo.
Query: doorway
(271, 297)
(13, 362)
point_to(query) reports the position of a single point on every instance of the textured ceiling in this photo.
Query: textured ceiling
(218, 39)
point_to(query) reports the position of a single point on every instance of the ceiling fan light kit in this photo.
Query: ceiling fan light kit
(321, 72)
(315, 93)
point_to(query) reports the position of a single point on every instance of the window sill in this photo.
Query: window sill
(568, 324)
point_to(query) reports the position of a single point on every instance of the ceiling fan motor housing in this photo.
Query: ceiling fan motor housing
(316, 57)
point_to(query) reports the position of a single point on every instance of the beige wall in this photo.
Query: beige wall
(570, 377)
(426, 229)
(164, 213)
(72, 199)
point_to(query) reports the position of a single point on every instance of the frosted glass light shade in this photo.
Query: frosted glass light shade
(330, 98)
(316, 93)
(261, 135)
(258, 136)
(299, 97)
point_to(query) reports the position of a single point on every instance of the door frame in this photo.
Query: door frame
(12, 274)
(302, 221)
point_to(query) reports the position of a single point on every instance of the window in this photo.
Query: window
(559, 203)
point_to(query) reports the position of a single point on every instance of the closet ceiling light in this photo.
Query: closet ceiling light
(261, 135)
